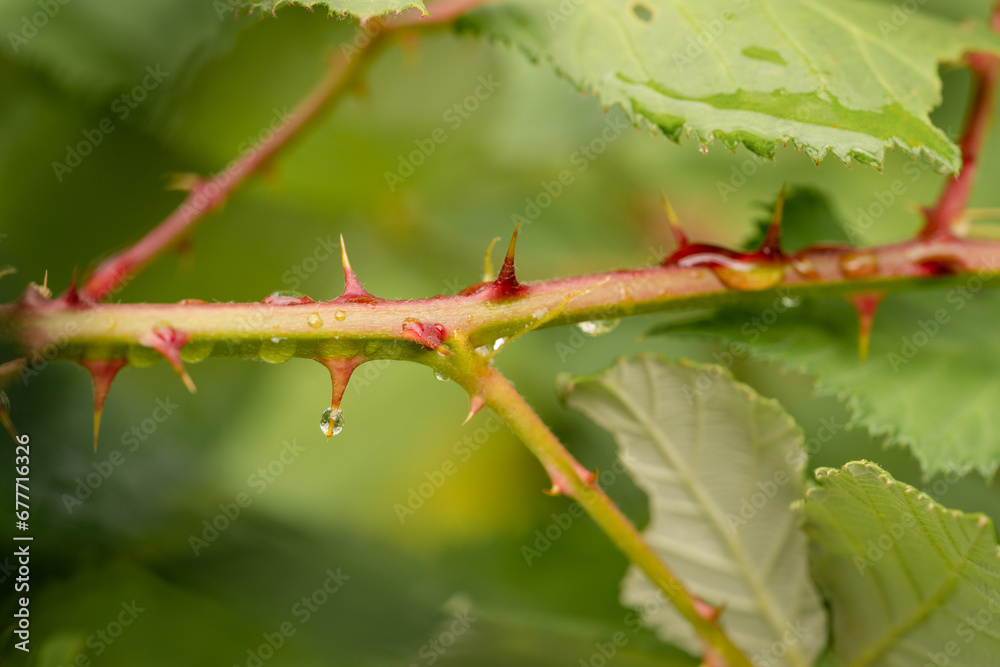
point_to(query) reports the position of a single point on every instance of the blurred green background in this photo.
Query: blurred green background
(333, 506)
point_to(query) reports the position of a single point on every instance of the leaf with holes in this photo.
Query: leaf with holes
(722, 467)
(909, 582)
(363, 9)
(845, 76)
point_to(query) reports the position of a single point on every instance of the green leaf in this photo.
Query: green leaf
(845, 76)
(930, 379)
(722, 467)
(909, 581)
(362, 9)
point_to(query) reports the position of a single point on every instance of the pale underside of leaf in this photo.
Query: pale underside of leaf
(843, 76)
(362, 9)
(909, 582)
(708, 451)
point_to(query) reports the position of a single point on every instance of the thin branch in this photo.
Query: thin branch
(208, 194)
(954, 199)
(572, 480)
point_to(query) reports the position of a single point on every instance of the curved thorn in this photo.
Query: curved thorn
(352, 286)
(507, 276)
(476, 404)
(168, 342)
(675, 224)
(771, 247)
(487, 264)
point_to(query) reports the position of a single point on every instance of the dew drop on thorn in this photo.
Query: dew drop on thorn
(332, 422)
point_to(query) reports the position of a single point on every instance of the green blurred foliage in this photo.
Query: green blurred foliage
(334, 505)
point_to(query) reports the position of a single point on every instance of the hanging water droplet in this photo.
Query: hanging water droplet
(277, 350)
(597, 327)
(340, 315)
(332, 422)
(498, 343)
(314, 320)
(197, 350)
(791, 301)
(441, 376)
(703, 149)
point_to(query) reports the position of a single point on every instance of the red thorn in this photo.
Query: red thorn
(168, 342)
(561, 485)
(771, 247)
(506, 285)
(865, 304)
(428, 335)
(353, 291)
(476, 404)
(710, 657)
(102, 372)
(340, 374)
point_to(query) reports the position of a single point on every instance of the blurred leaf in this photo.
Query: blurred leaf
(922, 386)
(363, 9)
(809, 218)
(909, 581)
(722, 467)
(846, 76)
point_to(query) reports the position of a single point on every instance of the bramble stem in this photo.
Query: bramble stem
(208, 194)
(501, 397)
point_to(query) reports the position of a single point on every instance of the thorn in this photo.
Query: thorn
(506, 285)
(561, 486)
(340, 374)
(476, 404)
(771, 247)
(102, 372)
(353, 291)
(428, 335)
(168, 342)
(675, 224)
(865, 304)
(487, 264)
(710, 657)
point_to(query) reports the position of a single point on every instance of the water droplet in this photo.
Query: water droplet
(197, 350)
(277, 350)
(805, 267)
(757, 278)
(332, 422)
(314, 320)
(791, 301)
(597, 327)
(286, 298)
(498, 343)
(483, 350)
(540, 313)
(859, 264)
(703, 149)
(340, 315)
(441, 376)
